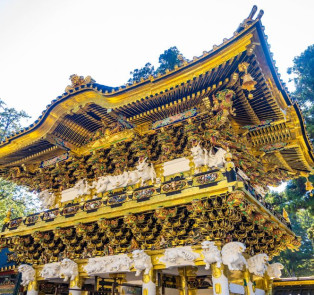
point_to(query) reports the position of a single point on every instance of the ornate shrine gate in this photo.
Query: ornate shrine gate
(158, 187)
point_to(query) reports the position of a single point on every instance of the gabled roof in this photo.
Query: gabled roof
(78, 113)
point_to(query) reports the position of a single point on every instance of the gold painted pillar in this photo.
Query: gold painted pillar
(32, 288)
(268, 282)
(220, 280)
(149, 283)
(76, 286)
(248, 285)
(183, 281)
(186, 273)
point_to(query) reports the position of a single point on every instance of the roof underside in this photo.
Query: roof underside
(78, 126)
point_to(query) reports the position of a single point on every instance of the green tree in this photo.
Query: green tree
(142, 73)
(17, 199)
(12, 196)
(298, 263)
(295, 199)
(10, 120)
(167, 60)
(303, 77)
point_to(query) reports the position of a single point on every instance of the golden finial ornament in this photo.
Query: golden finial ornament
(248, 81)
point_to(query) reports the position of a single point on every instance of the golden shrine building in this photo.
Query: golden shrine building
(157, 187)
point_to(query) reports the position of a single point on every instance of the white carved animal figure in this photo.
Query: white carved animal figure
(257, 264)
(211, 254)
(119, 263)
(145, 171)
(81, 187)
(217, 159)
(117, 181)
(133, 177)
(200, 156)
(101, 184)
(231, 254)
(28, 274)
(274, 270)
(51, 270)
(97, 265)
(141, 262)
(47, 199)
(172, 255)
(68, 269)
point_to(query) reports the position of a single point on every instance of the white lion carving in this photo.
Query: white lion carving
(203, 157)
(101, 184)
(211, 254)
(257, 264)
(145, 172)
(81, 187)
(179, 256)
(47, 199)
(68, 269)
(217, 159)
(231, 254)
(200, 156)
(141, 262)
(51, 270)
(28, 274)
(274, 270)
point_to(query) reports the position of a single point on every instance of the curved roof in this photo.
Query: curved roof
(80, 111)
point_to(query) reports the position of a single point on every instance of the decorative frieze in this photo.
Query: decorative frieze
(108, 264)
(180, 256)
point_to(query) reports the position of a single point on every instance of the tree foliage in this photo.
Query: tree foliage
(142, 73)
(10, 120)
(167, 60)
(296, 263)
(12, 196)
(303, 77)
(295, 199)
(17, 199)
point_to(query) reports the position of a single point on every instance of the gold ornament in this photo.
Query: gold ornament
(248, 81)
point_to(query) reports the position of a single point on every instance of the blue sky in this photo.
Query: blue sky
(43, 42)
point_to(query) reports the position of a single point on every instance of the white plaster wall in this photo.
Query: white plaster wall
(68, 194)
(176, 166)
